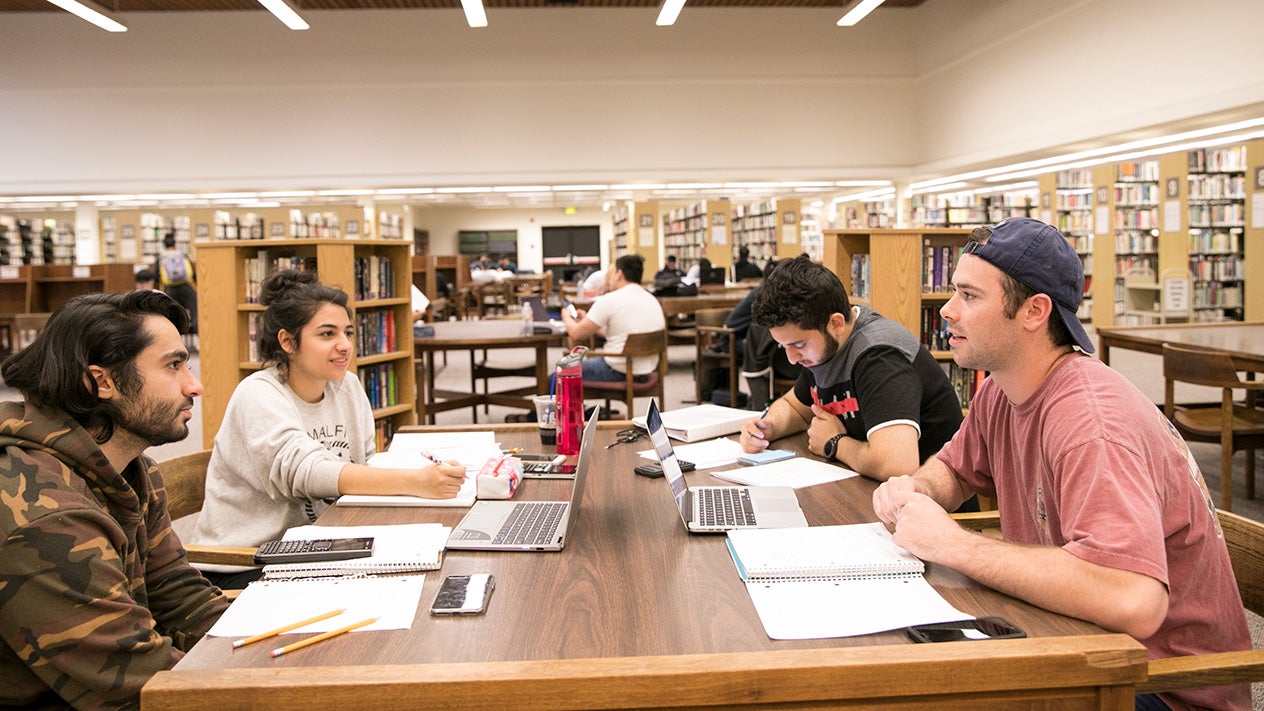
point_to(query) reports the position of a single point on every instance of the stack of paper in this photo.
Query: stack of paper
(398, 548)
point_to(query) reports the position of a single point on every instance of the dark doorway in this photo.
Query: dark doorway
(570, 250)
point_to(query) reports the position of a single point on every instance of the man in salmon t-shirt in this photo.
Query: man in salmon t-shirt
(1104, 512)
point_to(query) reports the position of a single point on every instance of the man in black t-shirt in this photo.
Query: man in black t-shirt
(870, 395)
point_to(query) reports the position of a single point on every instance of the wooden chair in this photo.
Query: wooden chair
(28, 327)
(185, 480)
(711, 330)
(1234, 426)
(638, 344)
(1245, 540)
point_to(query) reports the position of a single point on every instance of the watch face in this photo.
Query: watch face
(831, 446)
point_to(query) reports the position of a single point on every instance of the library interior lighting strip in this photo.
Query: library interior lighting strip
(92, 12)
(286, 13)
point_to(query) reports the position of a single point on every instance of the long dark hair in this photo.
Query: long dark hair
(293, 297)
(106, 330)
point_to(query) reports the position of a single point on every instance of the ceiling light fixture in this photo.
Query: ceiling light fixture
(92, 12)
(475, 15)
(858, 13)
(671, 10)
(286, 13)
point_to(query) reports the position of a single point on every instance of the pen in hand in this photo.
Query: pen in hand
(321, 637)
(282, 630)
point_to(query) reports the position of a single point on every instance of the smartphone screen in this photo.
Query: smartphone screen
(463, 595)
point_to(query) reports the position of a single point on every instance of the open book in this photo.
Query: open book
(834, 581)
(699, 422)
(401, 548)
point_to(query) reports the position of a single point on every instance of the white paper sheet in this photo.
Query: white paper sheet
(265, 606)
(798, 473)
(711, 453)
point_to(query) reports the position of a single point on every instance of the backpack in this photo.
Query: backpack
(174, 269)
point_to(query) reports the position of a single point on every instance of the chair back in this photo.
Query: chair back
(1199, 367)
(646, 344)
(185, 480)
(1245, 540)
(711, 318)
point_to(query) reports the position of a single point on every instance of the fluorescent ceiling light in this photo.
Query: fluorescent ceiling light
(883, 194)
(343, 193)
(862, 183)
(945, 188)
(228, 196)
(475, 15)
(92, 12)
(671, 10)
(520, 189)
(858, 13)
(458, 191)
(694, 186)
(405, 191)
(286, 13)
(578, 188)
(288, 193)
(639, 186)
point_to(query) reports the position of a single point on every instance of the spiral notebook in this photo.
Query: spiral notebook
(834, 581)
(401, 548)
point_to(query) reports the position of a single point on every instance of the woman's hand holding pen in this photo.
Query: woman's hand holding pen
(441, 480)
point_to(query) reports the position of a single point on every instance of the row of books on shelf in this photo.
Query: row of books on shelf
(374, 278)
(1217, 160)
(766, 235)
(753, 221)
(1082, 243)
(1217, 315)
(860, 276)
(1136, 243)
(965, 382)
(380, 384)
(1217, 186)
(1078, 200)
(1136, 219)
(934, 334)
(256, 269)
(1217, 295)
(1134, 263)
(1230, 214)
(1146, 194)
(1146, 170)
(375, 332)
(938, 263)
(1215, 241)
(1226, 267)
(384, 430)
(1074, 179)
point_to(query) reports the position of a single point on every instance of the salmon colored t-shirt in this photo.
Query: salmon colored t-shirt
(1089, 464)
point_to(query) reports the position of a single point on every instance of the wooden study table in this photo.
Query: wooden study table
(636, 612)
(1243, 341)
(676, 306)
(472, 336)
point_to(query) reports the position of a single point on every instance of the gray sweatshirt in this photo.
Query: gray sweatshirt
(277, 458)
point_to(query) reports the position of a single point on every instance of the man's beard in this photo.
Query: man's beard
(151, 423)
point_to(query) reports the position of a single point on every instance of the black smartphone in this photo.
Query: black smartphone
(981, 628)
(654, 470)
(464, 594)
(313, 551)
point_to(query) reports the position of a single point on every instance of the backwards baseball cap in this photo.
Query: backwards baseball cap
(1039, 256)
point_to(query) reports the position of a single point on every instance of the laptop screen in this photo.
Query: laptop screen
(667, 457)
(581, 471)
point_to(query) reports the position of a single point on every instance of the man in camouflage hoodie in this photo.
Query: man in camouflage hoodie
(96, 594)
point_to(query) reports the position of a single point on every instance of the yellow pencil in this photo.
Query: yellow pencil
(321, 637)
(282, 630)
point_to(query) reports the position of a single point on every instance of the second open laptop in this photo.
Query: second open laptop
(525, 525)
(714, 509)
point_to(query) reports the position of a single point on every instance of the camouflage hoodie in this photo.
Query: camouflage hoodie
(96, 594)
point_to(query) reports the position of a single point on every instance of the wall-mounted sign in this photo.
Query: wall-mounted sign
(1259, 178)
(276, 229)
(201, 230)
(1103, 195)
(352, 227)
(128, 232)
(1173, 187)
(646, 220)
(789, 217)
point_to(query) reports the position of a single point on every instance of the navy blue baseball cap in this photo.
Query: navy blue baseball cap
(1037, 255)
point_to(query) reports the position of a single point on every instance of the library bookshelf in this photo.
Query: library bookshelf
(227, 271)
(903, 274)
(698, 230)
(770, 229)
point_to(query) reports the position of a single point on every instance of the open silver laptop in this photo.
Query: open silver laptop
(714, 509)
(525, 525)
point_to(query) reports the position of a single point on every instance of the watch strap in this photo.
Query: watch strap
(831, 445)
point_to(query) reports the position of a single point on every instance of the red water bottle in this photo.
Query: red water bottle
(570, 400)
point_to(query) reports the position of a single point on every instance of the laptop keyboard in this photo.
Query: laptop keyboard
(724, 506)
(532, 523)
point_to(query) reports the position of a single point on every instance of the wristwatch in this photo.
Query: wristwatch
(831, 446)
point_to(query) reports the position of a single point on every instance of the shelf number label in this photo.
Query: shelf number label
(353, 227)
(1173, 187)
(201, 230)
(789, 217)
(645, 220)
(276, 229)
(718, 218)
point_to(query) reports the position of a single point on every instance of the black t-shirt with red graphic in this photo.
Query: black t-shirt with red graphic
(883, 376)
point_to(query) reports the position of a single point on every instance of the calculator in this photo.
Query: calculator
(313, 551)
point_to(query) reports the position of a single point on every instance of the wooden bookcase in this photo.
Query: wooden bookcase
(631, 222)
(771, 229)
(899, 274)
(690, 232)
(225, 316)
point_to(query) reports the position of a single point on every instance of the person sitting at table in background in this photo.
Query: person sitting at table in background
(669, 273)
(483, 262)
(595, 284)
(1096, 490)
(507, 265)
(626, 308)
(98, 595)
(146, 280)
(694, 276)
(870, 395)
(297, 433)
(743, 268)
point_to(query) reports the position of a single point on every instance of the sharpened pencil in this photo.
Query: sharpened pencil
(321, 637)
(282, 630)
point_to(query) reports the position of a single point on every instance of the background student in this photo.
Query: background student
(96, 595)
(1104, 512)
(297, 433)
(869, 394)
